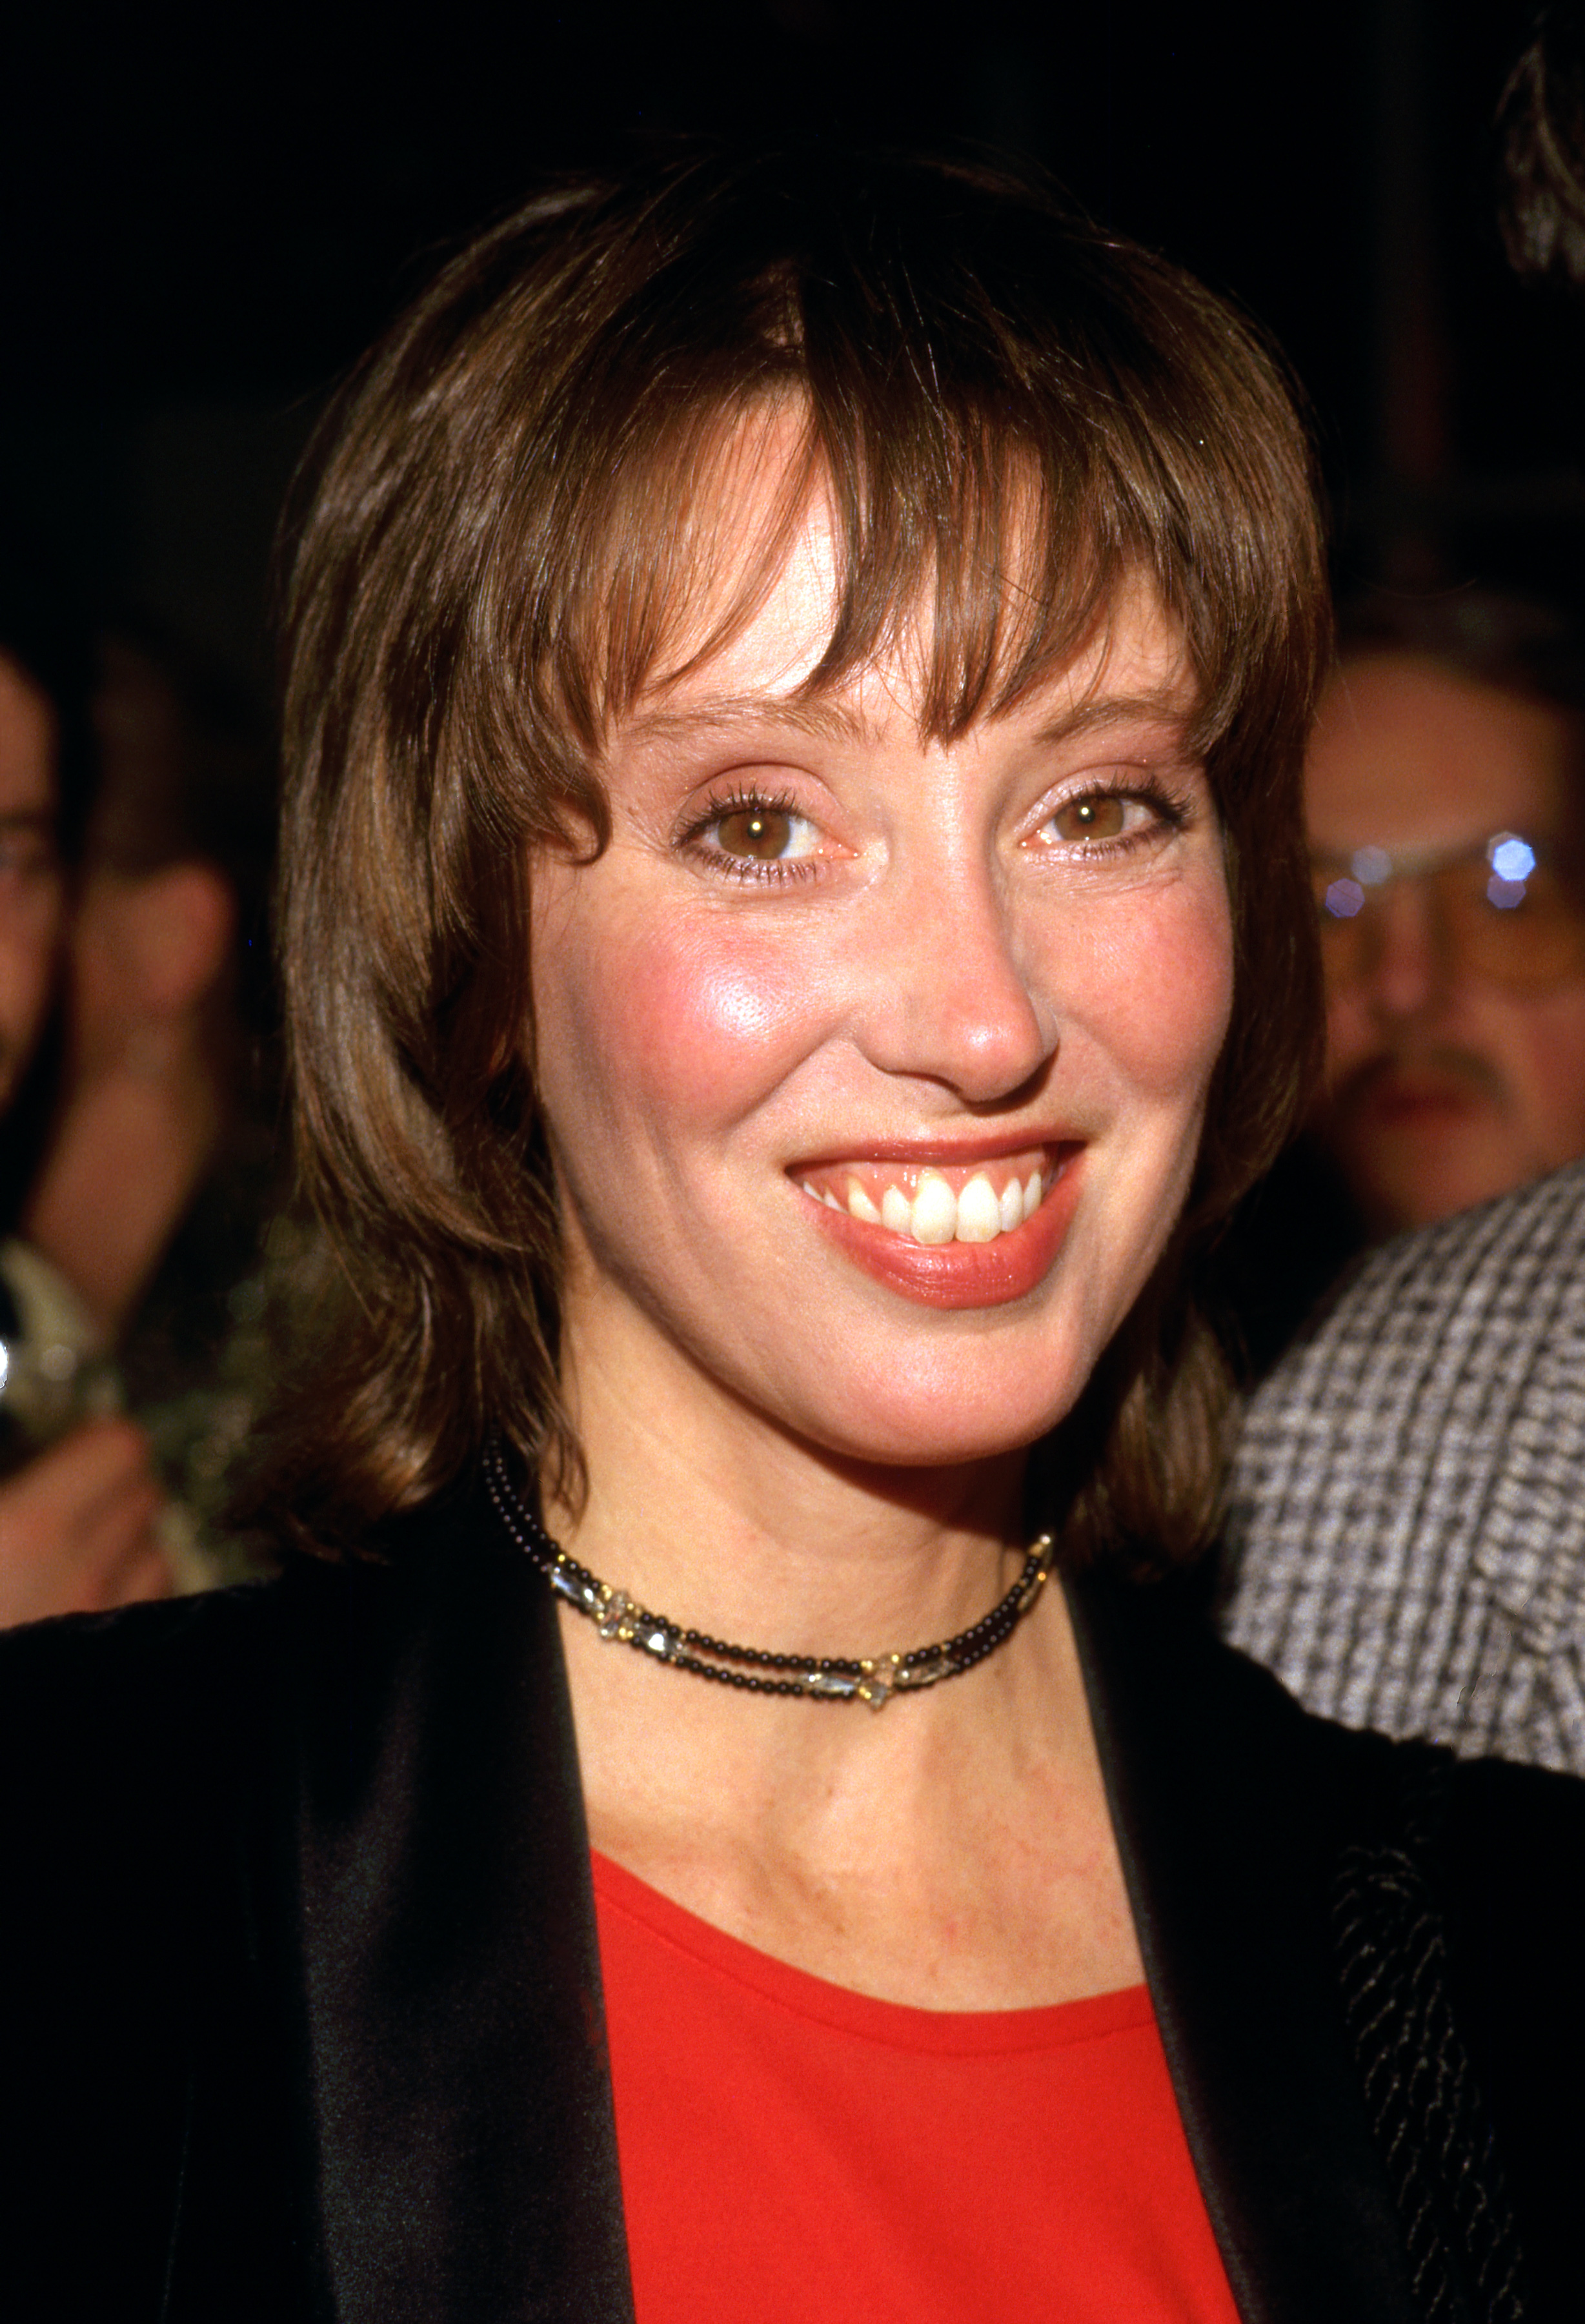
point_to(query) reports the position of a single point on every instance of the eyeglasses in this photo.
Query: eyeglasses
(1500, 909)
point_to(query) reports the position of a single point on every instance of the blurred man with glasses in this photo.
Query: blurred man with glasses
(1446, 803)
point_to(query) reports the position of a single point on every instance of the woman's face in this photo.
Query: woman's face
(874, 1067)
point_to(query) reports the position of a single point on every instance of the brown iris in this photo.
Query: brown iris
(762, 834)
(1090, 818)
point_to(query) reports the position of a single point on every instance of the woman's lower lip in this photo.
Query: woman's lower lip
(961, 1274)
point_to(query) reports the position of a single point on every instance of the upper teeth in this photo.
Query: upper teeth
(935, 1214)
(935, 1209)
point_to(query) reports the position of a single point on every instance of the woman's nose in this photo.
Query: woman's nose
(956, 1003)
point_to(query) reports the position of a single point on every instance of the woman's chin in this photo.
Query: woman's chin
(951, 1424)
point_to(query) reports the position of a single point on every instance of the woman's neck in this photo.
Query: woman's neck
(952, 1850)
(701, 1508)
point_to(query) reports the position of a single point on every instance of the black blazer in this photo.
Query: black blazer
(300, 1985)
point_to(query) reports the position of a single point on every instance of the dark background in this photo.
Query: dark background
(206, 215)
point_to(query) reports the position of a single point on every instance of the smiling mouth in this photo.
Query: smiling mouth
(937, 1203)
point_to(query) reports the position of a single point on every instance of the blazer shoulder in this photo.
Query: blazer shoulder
(150, 1760)
(129, 1743)
(1516, 1838)
(201, 1658)
(1173, 1693)
(108, 1671)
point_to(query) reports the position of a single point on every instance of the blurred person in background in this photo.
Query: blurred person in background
(1405, 1540)
(1445, 802)
(78, 1497)
(1445, 798)
(34, 890)
(160, 1169)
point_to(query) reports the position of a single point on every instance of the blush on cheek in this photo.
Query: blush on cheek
(1164, 989)
(702, 1016)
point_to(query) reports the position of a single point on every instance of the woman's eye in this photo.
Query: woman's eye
(756, 832)
(1099, 819)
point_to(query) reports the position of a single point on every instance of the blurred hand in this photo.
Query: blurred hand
(76, 1526)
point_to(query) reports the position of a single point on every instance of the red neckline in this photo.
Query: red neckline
(898, 2024)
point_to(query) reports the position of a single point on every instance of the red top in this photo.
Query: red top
(790, 2150)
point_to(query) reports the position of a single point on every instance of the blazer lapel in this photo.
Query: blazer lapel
(1230, 1809)
(466, 2143)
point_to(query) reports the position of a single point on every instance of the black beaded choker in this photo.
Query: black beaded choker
(827, 1678)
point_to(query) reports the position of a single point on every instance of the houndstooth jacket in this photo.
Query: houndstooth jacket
(1406, 1531)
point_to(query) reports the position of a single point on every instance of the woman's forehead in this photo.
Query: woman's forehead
(773, 661)
(742, 571)
(731, 646)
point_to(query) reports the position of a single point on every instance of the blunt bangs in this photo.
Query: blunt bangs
(979, 607)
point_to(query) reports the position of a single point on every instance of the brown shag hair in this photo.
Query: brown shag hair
(1012, 413)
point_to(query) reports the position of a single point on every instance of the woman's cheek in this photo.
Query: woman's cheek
(1162, 987)
(711, 1011)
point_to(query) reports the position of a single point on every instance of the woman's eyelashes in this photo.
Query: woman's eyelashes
(749, 834)
(752, 835)
(1113, 818)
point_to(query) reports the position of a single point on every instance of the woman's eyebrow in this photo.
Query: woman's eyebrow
(833, 719)
(827, 718)
(1164, 708)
